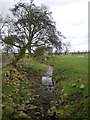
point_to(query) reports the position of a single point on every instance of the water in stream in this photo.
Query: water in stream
(47, 86)
(46, 94)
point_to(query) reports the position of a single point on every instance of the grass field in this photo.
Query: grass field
(70, 80)
(73, 69)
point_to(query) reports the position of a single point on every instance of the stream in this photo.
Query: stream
(47, 83)
(46, 93)
(46, 90)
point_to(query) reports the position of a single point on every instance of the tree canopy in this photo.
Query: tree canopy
(29, 27)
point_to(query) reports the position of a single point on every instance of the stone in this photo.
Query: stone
(57, 105)
(52, 103)
(60, 113)
(37, 95)
(13, 105)
(10, 99)
(21, 107)
(22, 116)
(53, 108)
(41, 108)
(62, 90)
(27, 102)
(30, 99)
(3, 106)
(9, 109)
(10, 95)
(65, 95)
(73, 85)
(18, 105)
(50, 113)
(32, 107)
(37, 113)
(82, 86)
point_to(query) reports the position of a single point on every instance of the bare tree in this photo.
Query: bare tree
(30, 27)
(66, 47)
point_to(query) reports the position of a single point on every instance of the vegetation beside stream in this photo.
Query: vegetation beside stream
(19, 88)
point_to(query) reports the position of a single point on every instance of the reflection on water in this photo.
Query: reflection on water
(46, 80)
(49, 72)
(47, 83)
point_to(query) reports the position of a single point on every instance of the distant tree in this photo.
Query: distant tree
(66, 47)
(29, 27)
(78, 52)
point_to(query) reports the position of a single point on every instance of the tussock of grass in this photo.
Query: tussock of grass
(32, 63)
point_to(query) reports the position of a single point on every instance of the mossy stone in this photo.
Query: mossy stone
(22, 116)
(9, 109)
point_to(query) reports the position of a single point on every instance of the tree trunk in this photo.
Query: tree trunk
(20, 55)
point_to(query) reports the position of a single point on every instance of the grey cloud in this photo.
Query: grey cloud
(4, 8)
(79, 23)
(84, 36)
(60, 2)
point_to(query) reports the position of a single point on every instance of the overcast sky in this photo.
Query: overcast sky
(71, 17)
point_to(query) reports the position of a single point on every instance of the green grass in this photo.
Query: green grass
(73, 69)
(33, 63)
